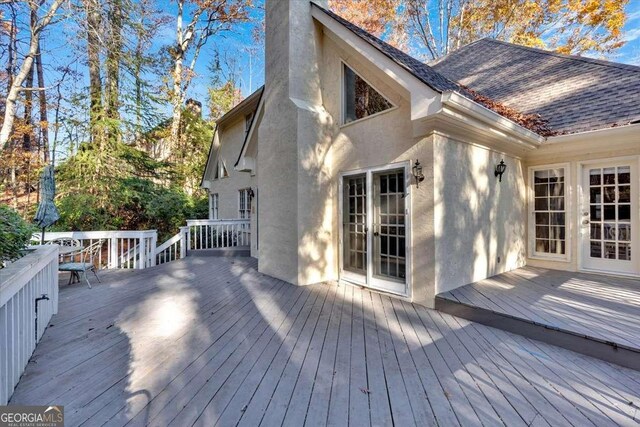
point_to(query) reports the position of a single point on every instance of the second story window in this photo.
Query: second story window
(244, 204)
(213, 204)
(360, 100)
(247, 121)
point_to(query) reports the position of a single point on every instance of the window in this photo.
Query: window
(244, 203)
(225, 174)
(217, 175)
(549, 212)
(359, 98)
(213, 206)
(247, 121)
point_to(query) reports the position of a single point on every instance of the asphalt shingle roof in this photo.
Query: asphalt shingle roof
(571, 93)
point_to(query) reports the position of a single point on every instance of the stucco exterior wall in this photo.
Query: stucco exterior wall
(294, 191)
(375, 141)
(593, 146)
(228, 142)
(479, 222)
(231, 138)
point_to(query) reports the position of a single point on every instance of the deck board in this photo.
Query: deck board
(602, 307)
(210, 341)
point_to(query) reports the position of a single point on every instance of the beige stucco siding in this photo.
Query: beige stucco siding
(479, 221)
(229, 143)
(376, 141)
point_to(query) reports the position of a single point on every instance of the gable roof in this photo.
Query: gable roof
(568, 93)
(437, 81)
(247, 105)
(418, 69)
(572, 93)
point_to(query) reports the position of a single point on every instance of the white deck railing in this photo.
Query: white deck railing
(21, 283)
(138, 249)
(174, 248)
(213, 233)
(121, 249)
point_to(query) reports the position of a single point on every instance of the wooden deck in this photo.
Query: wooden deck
(603, 308)
(209, 341)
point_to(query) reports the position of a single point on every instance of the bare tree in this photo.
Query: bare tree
(207, 18)
(25, 68)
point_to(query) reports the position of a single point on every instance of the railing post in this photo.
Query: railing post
(143, 253)
(184, 241)
(113, 250)
(154, 245)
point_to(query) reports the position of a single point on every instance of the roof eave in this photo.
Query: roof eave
(500, 123)
(242, 107)
(630, 130)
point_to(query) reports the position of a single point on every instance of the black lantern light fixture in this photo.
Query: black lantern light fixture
(417, 173)
(500, 168)
(250, 192)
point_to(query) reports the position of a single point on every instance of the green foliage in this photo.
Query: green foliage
(15, 234)
(133, 204)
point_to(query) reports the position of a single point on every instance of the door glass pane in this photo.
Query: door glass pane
(610, 213)
(355, 222)
(389, 225)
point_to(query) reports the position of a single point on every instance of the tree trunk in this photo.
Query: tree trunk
(114, 54)
(177, 101)
(16, 84)
(94, 21)
(44, 121)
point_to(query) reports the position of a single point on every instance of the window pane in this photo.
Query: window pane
(609, 250)
(556, 204)
(542, 204)
(595, 178)
(596, 250)
(596, 196)
(541, 190)
(624, 175)
(624, 194)
(609, 176)
(609, 194)
(360, 99)
(624, 212)
(624, 251)
(610, 213)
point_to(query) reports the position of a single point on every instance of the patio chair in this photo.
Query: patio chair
(85, 264)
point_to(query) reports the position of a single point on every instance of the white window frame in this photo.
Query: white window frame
(214, 203)
(343, 112)
(244, 212)
(568, 217)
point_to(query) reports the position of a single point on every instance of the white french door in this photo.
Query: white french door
(374, 216)
(609, 224)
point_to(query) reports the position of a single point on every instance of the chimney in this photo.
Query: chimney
(294, 188)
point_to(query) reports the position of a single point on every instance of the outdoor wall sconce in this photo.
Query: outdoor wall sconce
(250, 193)
(500, 168)
(417, 173)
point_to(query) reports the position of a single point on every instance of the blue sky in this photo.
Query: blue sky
(59, 51)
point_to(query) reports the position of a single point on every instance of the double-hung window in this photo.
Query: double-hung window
(549, 211)
(244, 204)
(213, 205)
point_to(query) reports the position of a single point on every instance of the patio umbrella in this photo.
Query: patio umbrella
(47, 213)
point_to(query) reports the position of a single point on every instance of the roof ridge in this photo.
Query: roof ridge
(594, 61)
